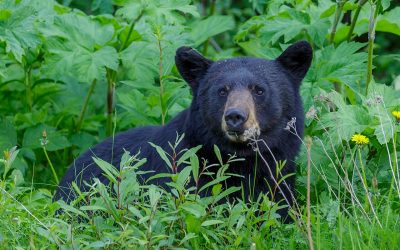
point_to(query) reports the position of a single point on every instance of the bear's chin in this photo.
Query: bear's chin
(246, 137)
(236, 138)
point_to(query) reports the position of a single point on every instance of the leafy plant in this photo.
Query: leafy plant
(74, 72)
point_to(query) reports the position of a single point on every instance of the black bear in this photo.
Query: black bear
(232, 99)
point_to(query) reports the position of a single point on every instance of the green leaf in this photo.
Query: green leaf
(77, 47)
(17, 28)
(389, 22)
(140, 58)
(194, 162)
(346, 121)
(157, 11)
(211, 223)
(130, 11)
(291, 23)
(55, 140)
(388, 98)
(93, 65)
(154, 196)
(188, 237)
(329, 65)
(216, 189)
(254, 48)
(192, 224)
(188, 154)
(183, 176)
(110, 171)
(217, 153)
(213, 182)
(162, 154)
(5, 14)
(194, 208)
(8, 135)
(209, 27)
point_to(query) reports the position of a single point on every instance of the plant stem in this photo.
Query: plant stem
(393, 183)
(112, 77)
(160, 75)
(338, 14)
(85, 104)
(128, 36)
(371, 38)
(309, 232)
(110, 102)
(51, 165)
(364, 176)
(28, 83)
(206, 43)
(354, 21)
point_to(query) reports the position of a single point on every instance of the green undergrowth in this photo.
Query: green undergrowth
(75, 72)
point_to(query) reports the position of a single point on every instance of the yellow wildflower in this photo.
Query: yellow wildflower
(396, 114)
(360, 139)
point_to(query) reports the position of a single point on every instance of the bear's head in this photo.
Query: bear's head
(243, 97)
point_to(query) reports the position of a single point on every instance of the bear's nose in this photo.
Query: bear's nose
(235, 118)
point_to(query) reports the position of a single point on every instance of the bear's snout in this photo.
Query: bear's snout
(239, 116)
(235, 118)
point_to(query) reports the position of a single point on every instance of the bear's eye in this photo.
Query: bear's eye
(222, 92)
(258, 91)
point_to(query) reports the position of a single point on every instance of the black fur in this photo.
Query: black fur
(201, 122)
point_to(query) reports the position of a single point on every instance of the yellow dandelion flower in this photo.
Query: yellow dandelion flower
(396, 114)
(360, 139)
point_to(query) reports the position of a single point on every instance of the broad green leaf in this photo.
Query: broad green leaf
(80, 30)
(157, 11)
(385, 129)
(253, 24)
(329, 65)
(345, 122)
(55, 140)
(291, 23)
(131, 10)
(17, 28)
(254, 48)
(389, 21)
(381, 100)
(209, 27)
(8, 135)
(140, 59)
(77, 47)
(92, 65)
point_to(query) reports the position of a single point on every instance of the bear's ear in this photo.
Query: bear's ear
(297, 59)
(191, 65)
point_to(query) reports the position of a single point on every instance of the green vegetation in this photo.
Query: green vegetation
(75, 72)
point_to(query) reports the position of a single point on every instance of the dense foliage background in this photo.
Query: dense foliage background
(74, 72)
